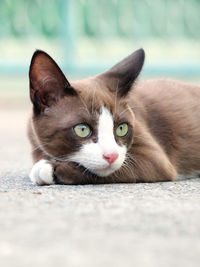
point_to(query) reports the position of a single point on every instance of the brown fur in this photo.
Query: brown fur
(164, 137)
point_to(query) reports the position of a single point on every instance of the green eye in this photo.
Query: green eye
(82, 130)
(122, 130)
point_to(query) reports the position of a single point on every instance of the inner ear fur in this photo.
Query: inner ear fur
(48, 84)
(122, 75)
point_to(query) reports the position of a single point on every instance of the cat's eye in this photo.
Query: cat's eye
(82, 130)
(122, 130)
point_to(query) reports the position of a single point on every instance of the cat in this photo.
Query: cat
(111, 128)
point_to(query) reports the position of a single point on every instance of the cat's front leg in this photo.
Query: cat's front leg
(46, 172)
(153, 165)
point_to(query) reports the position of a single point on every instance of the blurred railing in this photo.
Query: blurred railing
(77, 22)
(22, 18)
(102, 18)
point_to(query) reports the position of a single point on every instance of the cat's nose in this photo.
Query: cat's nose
(110, 157)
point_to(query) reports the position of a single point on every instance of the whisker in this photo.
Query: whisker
(128, 166)
(39, 147)
(86, 108)
(138, 107)
(94, 92)
(124, 111)
(116, 95)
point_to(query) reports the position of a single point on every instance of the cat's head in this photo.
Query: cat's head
(88, 122)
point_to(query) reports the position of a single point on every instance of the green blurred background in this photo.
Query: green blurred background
(87, 36)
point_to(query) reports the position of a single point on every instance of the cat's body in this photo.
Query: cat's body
(107, 129)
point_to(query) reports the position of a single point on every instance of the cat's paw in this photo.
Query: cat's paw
(42, 173)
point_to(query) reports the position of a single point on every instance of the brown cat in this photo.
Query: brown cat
(109, 129)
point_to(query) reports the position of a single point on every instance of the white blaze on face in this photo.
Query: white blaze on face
(106, 138)
(91, 154)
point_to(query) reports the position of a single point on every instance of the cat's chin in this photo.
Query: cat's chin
(104, 172)
(101, 172)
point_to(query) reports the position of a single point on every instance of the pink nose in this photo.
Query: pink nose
(110, 157)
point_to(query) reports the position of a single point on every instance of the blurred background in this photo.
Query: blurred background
(87, 36)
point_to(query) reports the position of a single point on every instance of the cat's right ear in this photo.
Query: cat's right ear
(121, 77)
(48, 84)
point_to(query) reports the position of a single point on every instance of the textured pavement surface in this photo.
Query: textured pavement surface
(94, 225)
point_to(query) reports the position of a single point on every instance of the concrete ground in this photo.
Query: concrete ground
(93, 225)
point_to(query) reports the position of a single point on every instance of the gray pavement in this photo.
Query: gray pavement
(93, 225)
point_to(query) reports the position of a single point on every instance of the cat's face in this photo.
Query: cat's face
(91, 129)
(87, 122)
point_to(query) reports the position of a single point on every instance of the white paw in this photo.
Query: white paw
(42, 173)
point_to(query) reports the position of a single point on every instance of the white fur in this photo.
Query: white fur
(91, 154)
(42, 173)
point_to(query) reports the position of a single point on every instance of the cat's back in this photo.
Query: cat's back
(171, 111)
(167, 89)
(168, 96)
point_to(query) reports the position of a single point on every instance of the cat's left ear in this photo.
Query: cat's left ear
(48, 84)
(123, 74)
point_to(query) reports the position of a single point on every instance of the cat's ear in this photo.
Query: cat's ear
(48, 84)
(122, 75)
